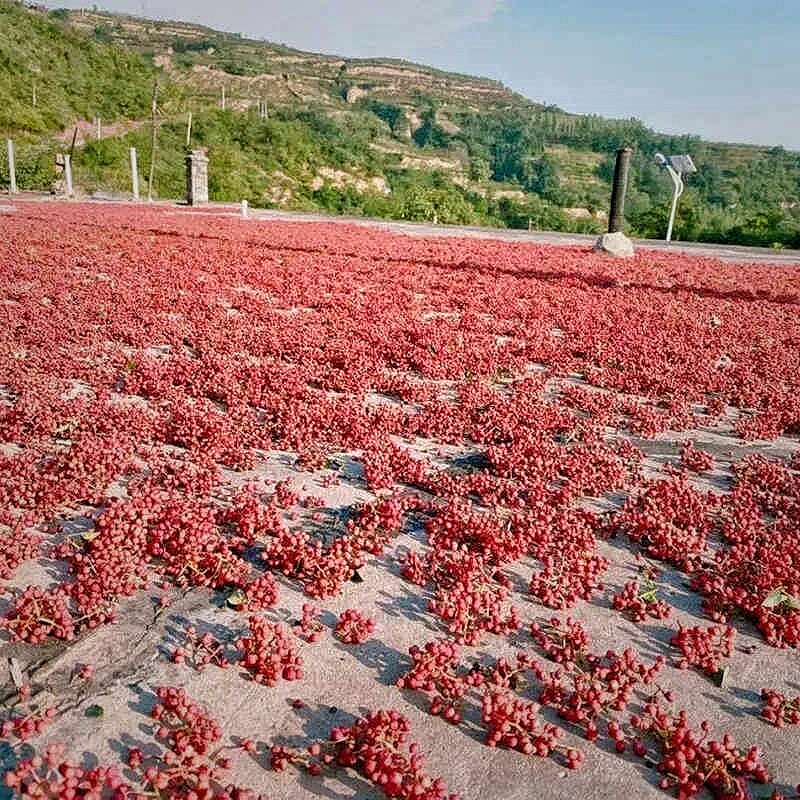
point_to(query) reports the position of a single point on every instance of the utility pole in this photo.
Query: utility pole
(34, 94)
(616, 215)
(222, 103)
(189, 131)
(153, 142)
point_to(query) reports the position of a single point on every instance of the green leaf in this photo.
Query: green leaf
(236, 599)
(95, 711)
(780, 597)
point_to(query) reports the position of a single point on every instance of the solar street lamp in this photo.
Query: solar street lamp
(677, 166)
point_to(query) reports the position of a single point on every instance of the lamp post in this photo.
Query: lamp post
(677, 167)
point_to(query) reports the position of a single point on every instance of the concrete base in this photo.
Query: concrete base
(615, 244)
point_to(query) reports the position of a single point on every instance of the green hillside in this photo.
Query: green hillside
(380, 137)
(72, 75)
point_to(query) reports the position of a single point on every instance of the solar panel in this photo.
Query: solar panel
(682, 164)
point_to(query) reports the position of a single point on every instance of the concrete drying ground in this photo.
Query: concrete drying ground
(131, 658)
(732, 253)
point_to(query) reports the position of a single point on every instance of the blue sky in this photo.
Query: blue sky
(725, 69)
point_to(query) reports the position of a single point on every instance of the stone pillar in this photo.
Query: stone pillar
(616, 214)
(196, 178)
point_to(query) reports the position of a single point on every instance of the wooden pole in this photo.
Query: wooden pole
(152, 143)
(12, 169)
(616, 214)
(134, 174)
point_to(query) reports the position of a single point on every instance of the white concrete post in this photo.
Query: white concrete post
(134, 174)
(244, 209)
(68, 173)
(99, 127)
(12, 168)
(223, 98)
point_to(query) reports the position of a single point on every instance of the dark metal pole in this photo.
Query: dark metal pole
(616, 215)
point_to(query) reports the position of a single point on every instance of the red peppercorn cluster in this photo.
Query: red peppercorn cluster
(22, 719)
(53, 775)
(200, 651)
(582, 695)
(376, 524)
(251, 519)
(564, 642)
(759, 523)
(459, 527)
(322, 570)
(37, 614)
(121, 372)
(435, 672)
(260, 593)
(670, 520)
(691, 762)
(17, 545)
(471, 597)
(694, 459)
(373, 746)
(704, 648)
(269, 653)
(353, 627)
(639, 601)
(565, 543)
(779, 709)
(188, 769)
(515, 723)
(309, 626)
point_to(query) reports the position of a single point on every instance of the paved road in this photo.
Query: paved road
(724, 252)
